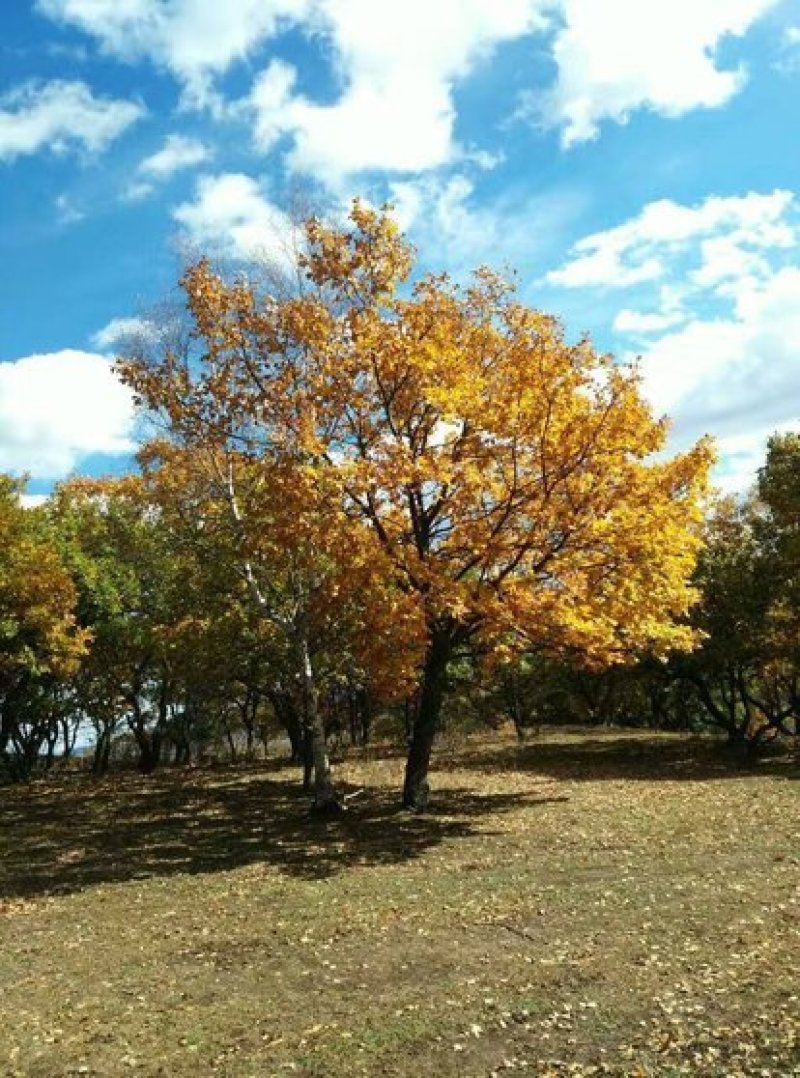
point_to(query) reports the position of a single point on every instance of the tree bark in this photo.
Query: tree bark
(325, 797)
(426, 721)
(284, 706)
(102, 752)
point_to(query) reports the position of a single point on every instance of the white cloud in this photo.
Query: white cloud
(32, 501)
(398, 66)
(271, 102)
(178, 152)
(58, 408)
(230, 214)
(720, 327)
(118, 330)
(194, 39)
(634, 322)
(59, 116)
(137, 190)
(620, 55)
(733, 377)
(640, 249)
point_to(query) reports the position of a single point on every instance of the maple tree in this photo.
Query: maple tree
(493, 481)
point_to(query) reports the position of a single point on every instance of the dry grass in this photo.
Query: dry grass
(586, 904)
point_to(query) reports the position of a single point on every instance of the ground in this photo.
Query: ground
(589, 903)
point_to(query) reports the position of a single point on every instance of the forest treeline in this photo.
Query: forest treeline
(375, 499)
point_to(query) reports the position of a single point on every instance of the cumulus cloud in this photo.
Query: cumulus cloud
(636, 323)
(621, 55)
(194, 39)
(735, 377)
(719, 330)
(59, 116)
(399, 66)
(642, 249)
(230, 214)
(58, 408)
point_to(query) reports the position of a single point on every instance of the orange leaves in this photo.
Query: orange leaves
(447, 440)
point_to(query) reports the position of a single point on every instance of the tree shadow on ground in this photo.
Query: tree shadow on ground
(627, 756)
(67, 836)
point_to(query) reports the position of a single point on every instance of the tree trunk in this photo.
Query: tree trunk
(102, 752)
(325, 798)
(426, 721)
(285, 709)
(231, 743)
(149, 752)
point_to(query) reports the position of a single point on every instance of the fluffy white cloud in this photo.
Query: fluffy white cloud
(59, 116)
(194, 39)
(398, 66)
(58, 408)
(620, 55)
(641, 249)
(231, 215)
(719, 328)
(178, 152)
(271, 103)
(734, 377)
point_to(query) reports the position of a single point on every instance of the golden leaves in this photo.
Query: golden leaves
(502, 475)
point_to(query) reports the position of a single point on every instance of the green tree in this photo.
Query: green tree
(39, 640)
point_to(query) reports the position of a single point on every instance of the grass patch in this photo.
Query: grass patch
(611, 903)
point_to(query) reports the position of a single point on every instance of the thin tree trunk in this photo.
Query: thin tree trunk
(325, 798)
(426, 721)
(102, 749)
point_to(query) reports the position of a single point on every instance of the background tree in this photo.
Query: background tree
(40, 644)
(138, 600)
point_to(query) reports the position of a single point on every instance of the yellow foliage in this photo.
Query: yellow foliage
(439, 457)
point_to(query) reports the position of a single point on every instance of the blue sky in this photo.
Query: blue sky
(637, 162)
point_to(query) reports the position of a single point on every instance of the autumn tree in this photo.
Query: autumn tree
(500, 478)
(40, 643)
